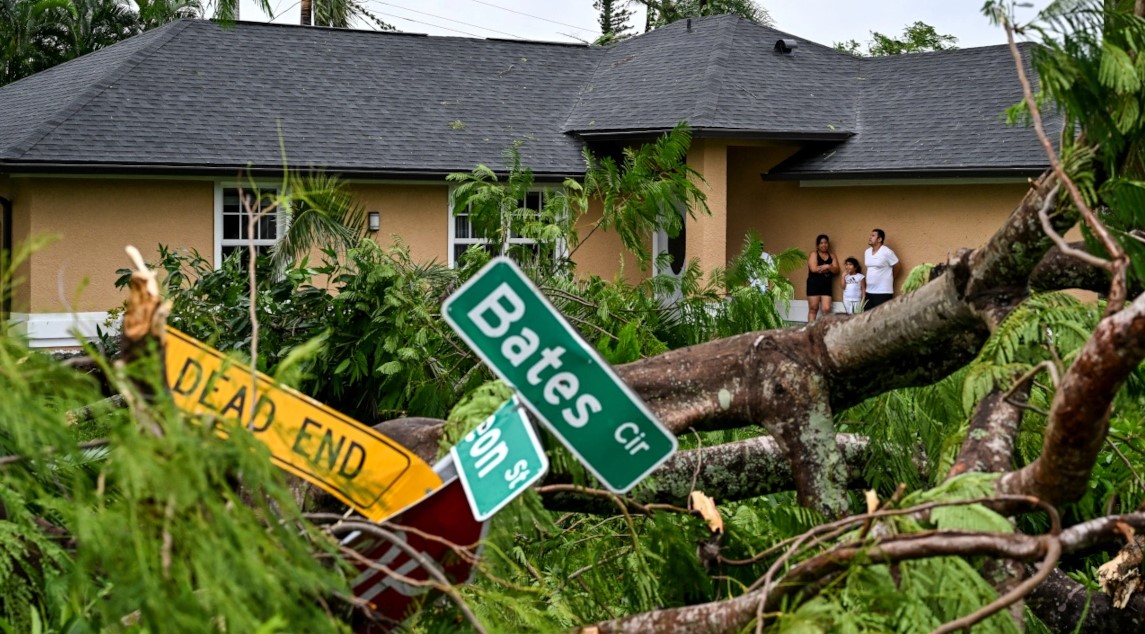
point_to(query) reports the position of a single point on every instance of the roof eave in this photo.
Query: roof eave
(232, 171)
(718, 133)
(910, 173)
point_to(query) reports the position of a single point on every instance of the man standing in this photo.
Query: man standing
(880, 262)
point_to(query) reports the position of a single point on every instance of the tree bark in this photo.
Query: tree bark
(729, 472)
(1065, 606)
(989, 443)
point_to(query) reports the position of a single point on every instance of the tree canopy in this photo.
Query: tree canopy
(919, 37)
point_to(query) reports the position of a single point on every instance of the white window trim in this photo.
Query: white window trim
(282, 218)
(453, 242)
(58, 330)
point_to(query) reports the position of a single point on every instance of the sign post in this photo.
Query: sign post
(499, 460)
(363, 468)
(525, 341)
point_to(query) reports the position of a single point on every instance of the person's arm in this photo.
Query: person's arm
(812, 264)
(863, 290)
(834, 266)
(896, 269)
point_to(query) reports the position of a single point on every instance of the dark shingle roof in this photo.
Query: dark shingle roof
(720, 73)
(935, 113)
(194, 94)
(193, 97)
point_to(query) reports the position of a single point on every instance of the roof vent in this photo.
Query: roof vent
(787, 47)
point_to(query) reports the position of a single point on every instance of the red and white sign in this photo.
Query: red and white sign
(445, 513)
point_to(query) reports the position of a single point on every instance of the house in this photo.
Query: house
(141, 143)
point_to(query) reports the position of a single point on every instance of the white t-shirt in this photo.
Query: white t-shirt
(880, 277)
(852, 290)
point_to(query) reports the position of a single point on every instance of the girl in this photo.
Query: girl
(821, 267)
(854, 287)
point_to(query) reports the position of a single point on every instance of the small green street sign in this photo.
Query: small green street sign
(499, 460)
(518, 333)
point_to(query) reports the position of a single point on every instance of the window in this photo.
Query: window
(675, 247)
(232, 221)
(463, 235)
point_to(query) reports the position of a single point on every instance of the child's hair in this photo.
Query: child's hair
(855, 263)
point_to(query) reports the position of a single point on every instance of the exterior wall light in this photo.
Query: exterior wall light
(375, 218)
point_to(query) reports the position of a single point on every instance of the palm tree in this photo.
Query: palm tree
(339, 13)
(26, 28)
(156, 13)
(95, 24)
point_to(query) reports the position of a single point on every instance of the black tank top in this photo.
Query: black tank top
(821, 261)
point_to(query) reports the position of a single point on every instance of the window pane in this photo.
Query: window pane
(464, 229)
(267, 227)
(230, 227)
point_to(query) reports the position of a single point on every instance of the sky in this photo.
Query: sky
(823, 21)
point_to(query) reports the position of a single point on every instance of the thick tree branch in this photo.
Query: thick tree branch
(732, 471)
(733, 615)
(1079, 416)
(989, 443)
(1065, 606)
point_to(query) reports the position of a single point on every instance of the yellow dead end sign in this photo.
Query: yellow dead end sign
(371, 473)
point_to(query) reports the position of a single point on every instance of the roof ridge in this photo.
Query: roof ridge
(102, 83)
(712, 82)
(588, 87)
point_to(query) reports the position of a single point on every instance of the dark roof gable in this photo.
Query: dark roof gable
(931, 114)
(719, 73)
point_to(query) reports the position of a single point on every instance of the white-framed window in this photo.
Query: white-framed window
(675, 247)
(232, 221)
(462, 235)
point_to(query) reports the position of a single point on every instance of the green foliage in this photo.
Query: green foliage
(662, 12)
(613, 19)
(651, 188)
(917, 278)
(1090, 66)
(319, 211)
(920, 596)
(499, 212)
(916, 38)
(38, 34)
(1024, 340)
(167, 527)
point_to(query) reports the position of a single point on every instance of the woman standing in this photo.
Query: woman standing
(822, 265)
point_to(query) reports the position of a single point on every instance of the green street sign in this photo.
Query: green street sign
(518, 333)
(499, 460)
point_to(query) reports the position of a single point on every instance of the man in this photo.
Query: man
(880, 262)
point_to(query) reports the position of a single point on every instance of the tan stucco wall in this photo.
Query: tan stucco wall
(600, 252)
(418, 213)
(923, 223)
(94, 219)
(707, 235)
(97, 217)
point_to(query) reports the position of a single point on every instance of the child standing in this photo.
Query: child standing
(854, 286)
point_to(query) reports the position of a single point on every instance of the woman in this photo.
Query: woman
(822, 265)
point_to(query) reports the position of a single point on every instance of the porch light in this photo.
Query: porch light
(375, 218)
